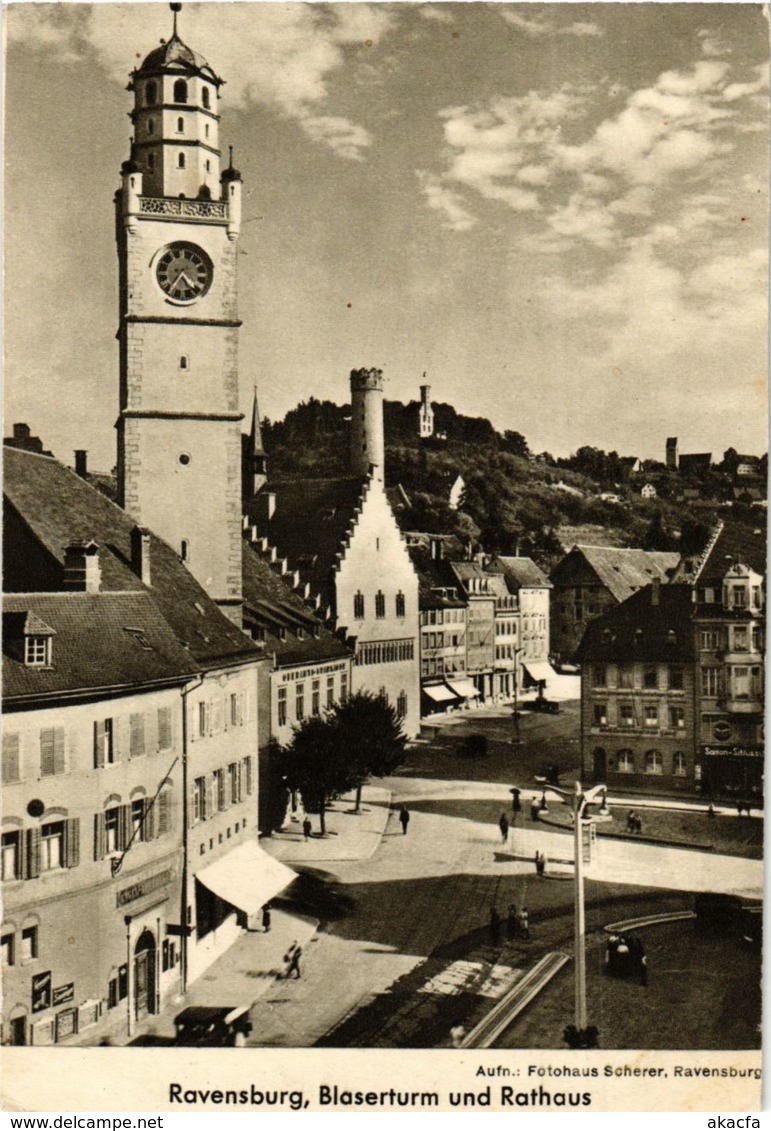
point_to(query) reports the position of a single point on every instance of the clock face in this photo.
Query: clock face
(184, 272)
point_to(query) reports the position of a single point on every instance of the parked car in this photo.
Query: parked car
(213, 1025)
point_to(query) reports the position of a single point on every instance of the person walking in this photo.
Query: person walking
(404, 818)
(266, 918)
(534, 810)
(643, 971)
(307, 828)
(503, 825)
(292, 959)
(524, 922)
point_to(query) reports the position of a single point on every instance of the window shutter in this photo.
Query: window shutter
(151, 732)
(58, 750)
(148, 825)
(162, 805)
(191, 806)
(47, 752)
(32, 869)
(124, 826)
(98, 744)
(249, 773)
(164, 728)
(100, 837)
(72, 842)
(11, 767)
(122, 736)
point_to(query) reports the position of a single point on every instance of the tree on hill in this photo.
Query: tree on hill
(356, 740)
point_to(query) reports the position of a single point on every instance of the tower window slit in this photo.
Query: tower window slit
(180, 160)
(205, 100)
(184, 550)
(183, 362)
(151, 93)
(180, 125)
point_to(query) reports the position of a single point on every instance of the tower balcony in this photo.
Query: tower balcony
(176, 208)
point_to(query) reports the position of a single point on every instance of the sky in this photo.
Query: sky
(557, 212)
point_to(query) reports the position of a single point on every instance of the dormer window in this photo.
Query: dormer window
(37, 651)
(180, 91)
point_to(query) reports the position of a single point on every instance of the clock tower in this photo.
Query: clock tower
(178, 222)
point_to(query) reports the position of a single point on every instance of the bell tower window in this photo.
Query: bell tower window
(205, 97)
(180, 125)
(151, 94)
(180, 91)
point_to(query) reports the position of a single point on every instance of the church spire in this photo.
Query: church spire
(175, 9)
(257, 457)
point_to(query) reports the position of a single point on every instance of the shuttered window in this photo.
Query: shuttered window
(104, 748)
(164, 728)
(11, 761)
(163, 813)
(51, 751)
(137, 738)
(246, 775)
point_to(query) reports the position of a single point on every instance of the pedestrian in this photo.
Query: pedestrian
(503, 825)
(524, 922)
(511, 922)
(292, 959)
(543, 807)
(534, 810)
(537, 862)
(457, 1033)
(307, 828)
(495, 926)
(711, 811)
(630, 819)
(643, 971)
(516, 804)
(404, 818)
(544, 863)
(266, 918)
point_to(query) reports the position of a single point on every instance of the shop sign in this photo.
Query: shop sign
(41, 991)
(733, 751)
(143, 887)
(63, 994)
(66, 1023)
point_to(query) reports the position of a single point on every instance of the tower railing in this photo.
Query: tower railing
(181, 207)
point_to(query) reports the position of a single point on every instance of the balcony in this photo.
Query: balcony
(744, 705)
(180, 208)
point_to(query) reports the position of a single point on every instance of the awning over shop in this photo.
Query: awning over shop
(539, 672)
(246, 877)
(438, 692)
(463, 687)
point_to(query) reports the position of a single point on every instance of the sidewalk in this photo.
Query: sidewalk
(350, 835)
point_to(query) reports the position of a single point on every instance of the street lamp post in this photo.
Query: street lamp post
(517, 652)
(581, 800)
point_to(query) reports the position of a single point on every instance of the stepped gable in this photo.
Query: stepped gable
(269, 604)
(100, 641)
(736, 543)
(47, 506)
(310, 524)
(654, 624)
(623, 572)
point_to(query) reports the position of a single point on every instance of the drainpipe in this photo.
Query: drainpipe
(183, 918)
(129, 979)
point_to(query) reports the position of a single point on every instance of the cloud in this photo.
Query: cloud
(537, 27)
(278, 55)
(438, 13)
(447, 202)
(713, 42)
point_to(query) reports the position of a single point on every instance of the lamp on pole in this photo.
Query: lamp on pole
(580, 800)
(517, 739)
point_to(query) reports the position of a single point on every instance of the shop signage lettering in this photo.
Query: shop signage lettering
(142, 888)
(733, 751)
(41, 991)
(63, 994)
(307, 673)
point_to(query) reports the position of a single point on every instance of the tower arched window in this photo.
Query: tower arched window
(151, 161)
(150, 126)
(180, 125)
(180, 91)
(206, 130)
(151, 94)
(180, 161)
(205, 97)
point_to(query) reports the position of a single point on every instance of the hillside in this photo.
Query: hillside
(514, 501)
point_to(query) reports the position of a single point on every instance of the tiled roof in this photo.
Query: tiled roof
(270, 604)
(101, 641)
(638, 629)
(736, 543)
(309, 525)
(433, 576)
(623, 572)
(522, 571)
(57, 507)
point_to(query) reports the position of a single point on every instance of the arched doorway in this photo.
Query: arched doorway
(144, 975)
(599, 764)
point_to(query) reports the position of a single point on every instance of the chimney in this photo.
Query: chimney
(82, 572)
(81, 462)
(656, 591)
(367, 440)
(140, 554)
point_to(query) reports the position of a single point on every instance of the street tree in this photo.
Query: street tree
(315, 766)
(369, 735)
